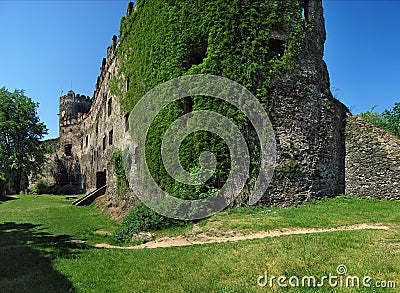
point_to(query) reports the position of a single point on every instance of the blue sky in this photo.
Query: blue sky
(45, 45)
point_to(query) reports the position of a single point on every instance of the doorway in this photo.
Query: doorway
(101, 179)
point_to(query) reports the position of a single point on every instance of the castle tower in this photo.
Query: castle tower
(66, 106)
(273, 47)
(73, 107)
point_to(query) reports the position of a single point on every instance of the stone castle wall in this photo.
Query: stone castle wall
(309, 125)
(372, 161)
(316, 156)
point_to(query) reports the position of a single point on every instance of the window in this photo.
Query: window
(68, 150)
(136, 155)
(304, 9)
(110, 137)
(109, 106)
(188, 105)
(87, 140)
(126, 122)
(276, 47)
(197, 53)
(81, 144)
(104, 142)
(97, 128)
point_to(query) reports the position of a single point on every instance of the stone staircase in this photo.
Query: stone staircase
(90, 197)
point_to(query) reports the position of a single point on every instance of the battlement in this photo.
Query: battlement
(74, 108)
(105, 65)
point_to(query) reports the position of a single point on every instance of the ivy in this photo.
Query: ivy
(165, 39)
(118, 167)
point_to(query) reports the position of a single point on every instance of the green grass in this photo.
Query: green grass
(57, 216)
(35, 255)
(327, 213)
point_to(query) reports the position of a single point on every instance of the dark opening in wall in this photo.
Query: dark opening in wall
(276, 47)
(197, 53)
(127, 84)
(87, 140)
(81, 144)
(97, 128)
(68, 150)
(136, 155)
(104, 142)
(188, 105)
(305, 9)
(109, 106)
(101, 179)
(126, 122)
(110, 137)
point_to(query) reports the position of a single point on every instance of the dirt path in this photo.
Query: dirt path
(231, 236)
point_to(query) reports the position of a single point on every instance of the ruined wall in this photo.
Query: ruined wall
(309, 124)
(315, 158)
(372, 161)
(290, 78)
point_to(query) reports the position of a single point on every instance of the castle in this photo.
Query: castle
(322, 151)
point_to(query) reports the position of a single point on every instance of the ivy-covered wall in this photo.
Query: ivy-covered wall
(162, 40)
(272, 47)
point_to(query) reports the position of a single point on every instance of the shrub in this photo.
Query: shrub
(143, 219)
(388, 120)
(40, 187)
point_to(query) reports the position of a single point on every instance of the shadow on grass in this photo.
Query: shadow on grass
(4, 198)
(26, 256)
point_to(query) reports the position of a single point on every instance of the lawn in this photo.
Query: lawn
(39, 251)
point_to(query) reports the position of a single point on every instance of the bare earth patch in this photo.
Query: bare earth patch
(233, 236)
(103, 232)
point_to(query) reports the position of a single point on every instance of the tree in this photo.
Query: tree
(392, 119)
(21, 151)
(388, 120)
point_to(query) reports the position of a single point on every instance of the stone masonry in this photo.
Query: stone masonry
(372, 161)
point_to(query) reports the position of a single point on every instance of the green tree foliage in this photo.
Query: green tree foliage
(388, 120)
(21, 151)
(165, 39)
